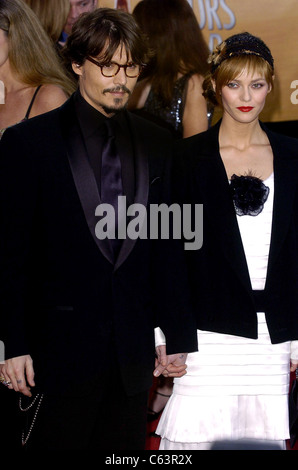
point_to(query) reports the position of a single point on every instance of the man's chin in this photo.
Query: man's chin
(114, 109)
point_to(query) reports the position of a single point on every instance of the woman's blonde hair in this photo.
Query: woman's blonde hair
(52, 14)
(230, 58)
(32, 55)
(231, 68)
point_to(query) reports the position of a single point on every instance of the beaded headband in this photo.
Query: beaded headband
(237, 45)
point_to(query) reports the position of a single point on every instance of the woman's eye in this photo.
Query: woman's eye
(232, 85)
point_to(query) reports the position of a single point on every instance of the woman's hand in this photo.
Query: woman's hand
(172, 365)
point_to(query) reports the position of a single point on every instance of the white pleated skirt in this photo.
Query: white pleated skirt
(235, 389)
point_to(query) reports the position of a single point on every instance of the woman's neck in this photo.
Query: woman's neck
(240, 135)
(245, 148)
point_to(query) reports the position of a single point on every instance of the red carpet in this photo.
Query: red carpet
(152, 442)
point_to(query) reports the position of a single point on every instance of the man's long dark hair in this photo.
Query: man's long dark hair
(101, 32)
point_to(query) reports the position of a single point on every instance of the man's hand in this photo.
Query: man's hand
(294, 366)
(169, 366)
(19, 374)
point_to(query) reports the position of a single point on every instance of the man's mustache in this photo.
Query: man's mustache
(117, 89)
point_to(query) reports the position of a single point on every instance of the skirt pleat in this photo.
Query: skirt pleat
(235, 388)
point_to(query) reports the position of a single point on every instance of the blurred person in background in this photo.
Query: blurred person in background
(170, 87)
(77, 7)
(52, 14)
(34, 81)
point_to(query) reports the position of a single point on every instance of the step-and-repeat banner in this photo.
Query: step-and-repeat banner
(275, 21)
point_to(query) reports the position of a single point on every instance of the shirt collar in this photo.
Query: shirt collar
(91, 119)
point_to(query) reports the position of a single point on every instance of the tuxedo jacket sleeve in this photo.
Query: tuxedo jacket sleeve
(222, 295)
(63, 299)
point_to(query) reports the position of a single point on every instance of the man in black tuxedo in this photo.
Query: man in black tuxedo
(78, 309)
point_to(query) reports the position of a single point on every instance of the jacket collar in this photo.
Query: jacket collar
(216, 187)
(285, 164)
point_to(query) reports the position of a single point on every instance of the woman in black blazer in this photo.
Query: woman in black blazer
(244, 279)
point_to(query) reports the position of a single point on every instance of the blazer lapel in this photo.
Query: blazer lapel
(219, 207)
(223, 214)
(141, 184)
(285, 187)
(82, 172)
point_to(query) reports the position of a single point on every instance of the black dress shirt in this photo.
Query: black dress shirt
(92, 127)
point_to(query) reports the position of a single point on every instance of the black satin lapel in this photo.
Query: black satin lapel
(83, 175)
(285, 188)
(219, 208)
(141, 185)
(218, 205)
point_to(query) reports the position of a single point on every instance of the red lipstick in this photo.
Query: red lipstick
(245, 109)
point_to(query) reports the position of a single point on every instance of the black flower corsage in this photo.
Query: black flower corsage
(249, 194)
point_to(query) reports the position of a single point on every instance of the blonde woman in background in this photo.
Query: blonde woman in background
(52, 14)
(34, 80)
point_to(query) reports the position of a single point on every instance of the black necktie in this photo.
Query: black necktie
(111, 180)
